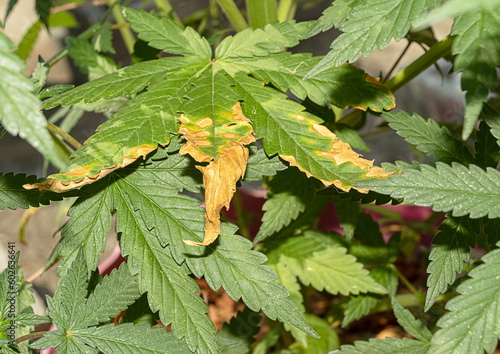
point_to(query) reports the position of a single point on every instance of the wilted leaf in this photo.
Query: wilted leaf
(220, 143)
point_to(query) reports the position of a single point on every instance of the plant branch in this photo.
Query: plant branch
(429, 58)
(72, 6)
(33, 335)
(397, 61)
(127, 35)
(261, 12)
(286, 10)
(168, 11)
(408, 284)
(58, 57)
(56, 130)
(233, 14)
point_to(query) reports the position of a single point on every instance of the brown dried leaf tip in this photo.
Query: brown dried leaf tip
(223, 147)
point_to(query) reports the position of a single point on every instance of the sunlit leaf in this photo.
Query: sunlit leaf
(326, 267)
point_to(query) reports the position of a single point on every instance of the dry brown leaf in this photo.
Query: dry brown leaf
(225, 169)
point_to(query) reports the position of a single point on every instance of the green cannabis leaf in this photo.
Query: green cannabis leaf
(13, 195)
(366, 25)
(19, 111)
(387, 345)
(448, 257)
(477, 49)
(472, 324)
(465, 191)
(152, 230)
(413, 326)
(434, 140)
(77, 317)
(314, 264)
(289, 194)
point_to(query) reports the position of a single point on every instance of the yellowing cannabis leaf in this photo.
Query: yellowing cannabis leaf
(81, 176)
(340, 152)
(221, 144)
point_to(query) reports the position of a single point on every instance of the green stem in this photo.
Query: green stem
(33, 335)
(168, 11)
(408, 284)
(406, 300)
(233, 14)
(286, 10)
(376, 132)
(429, 58)
(127, 35)
(240, 215)
(56, 130)
(261, 12)
(396, 63)
(58, 57)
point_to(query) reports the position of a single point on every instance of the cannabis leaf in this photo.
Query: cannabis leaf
(19, 112)
(366, 26)
(152, 230)
(472, 323)
(394, 345)
(486, 147)
(360, 305)
(185, 86)
(335, 85)
(348, 213)
(325, 267)
(13, 195)
(77, 316)
(410, 324)
(448, 257)
(223, 148)
(387, 345)
(447, 188)
(289, 193)
(15, 290)
(477, 55)
(429, 137)
(491, 118)
(259, 164)
(86, 230)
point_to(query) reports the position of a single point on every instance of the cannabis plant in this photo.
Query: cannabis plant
(201, 110)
